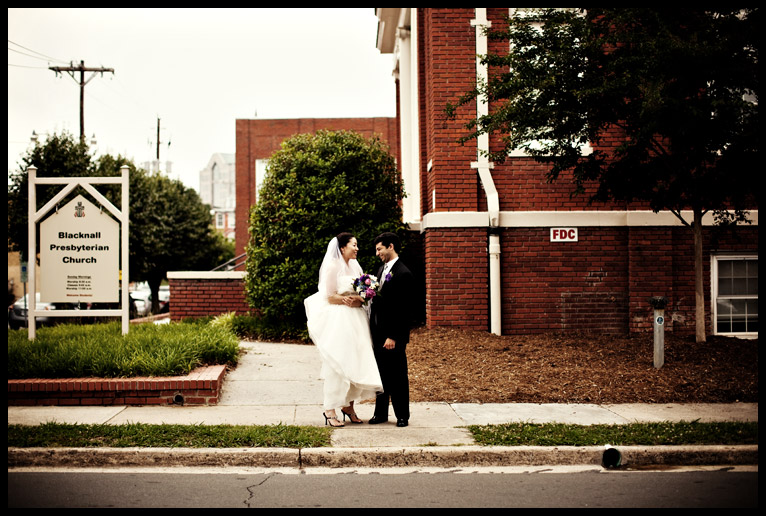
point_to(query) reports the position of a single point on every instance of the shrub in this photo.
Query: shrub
(316, 186)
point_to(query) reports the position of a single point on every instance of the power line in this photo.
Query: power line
(71, 69)
(49, 58)
(27, 66)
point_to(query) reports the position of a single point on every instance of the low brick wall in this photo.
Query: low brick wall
(196, 294)
(200, 387)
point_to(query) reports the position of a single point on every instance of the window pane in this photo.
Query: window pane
(737, 302)
(723, 324)
(724, 277)
(752, 286)
(739, 268)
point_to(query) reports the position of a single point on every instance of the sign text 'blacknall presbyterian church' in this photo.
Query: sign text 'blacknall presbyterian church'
(79, 255)
(79, 248)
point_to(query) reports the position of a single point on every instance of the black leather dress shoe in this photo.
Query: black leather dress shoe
(377, 420)
(401, 422)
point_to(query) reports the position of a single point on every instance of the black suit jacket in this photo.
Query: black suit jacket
(391, 313)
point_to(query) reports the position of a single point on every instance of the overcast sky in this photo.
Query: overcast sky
(197, 70)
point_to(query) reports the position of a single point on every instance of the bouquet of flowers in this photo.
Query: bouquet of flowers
(367, 286)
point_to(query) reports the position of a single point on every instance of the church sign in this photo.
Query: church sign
(80, 255)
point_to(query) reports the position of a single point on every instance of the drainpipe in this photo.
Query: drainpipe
(483, 166)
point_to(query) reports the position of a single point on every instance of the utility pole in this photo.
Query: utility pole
(157, 145)
(71, 69)
(158, 139)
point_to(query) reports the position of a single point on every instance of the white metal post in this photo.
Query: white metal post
(125, 226)
(31, 250)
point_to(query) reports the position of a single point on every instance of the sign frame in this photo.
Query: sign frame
(123, 217)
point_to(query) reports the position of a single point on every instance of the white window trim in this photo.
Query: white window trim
(714, 292)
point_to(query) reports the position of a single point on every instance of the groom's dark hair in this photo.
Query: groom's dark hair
(387, 239)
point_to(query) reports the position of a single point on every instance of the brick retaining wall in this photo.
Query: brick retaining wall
(201, 294)
(200, 387)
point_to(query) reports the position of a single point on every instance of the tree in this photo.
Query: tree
(170, 227)
(61, 155)
(679, 87)
(316, 186)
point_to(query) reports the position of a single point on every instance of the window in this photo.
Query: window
(735, 294)
(260, 174)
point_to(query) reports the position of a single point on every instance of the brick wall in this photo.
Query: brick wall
(456, 278)
(601, 283)
(550, 286)
(200, 294)
(447, 70)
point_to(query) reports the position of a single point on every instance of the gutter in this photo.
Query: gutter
(483, 167)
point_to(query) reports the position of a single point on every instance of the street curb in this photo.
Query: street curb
(431, 456)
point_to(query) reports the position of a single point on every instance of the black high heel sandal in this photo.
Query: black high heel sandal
(333, 418)
(351, 417)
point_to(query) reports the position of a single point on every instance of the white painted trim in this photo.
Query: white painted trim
(207, 275)
(529, 219)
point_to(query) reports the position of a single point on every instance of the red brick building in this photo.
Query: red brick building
(257, 140)
(496, 257)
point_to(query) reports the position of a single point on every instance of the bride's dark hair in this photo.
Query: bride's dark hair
(343, 239)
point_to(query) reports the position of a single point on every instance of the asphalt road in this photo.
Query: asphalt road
(573, 486)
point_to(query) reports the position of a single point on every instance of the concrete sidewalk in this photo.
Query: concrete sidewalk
(279, 383)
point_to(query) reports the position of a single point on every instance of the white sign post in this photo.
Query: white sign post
(81, 248)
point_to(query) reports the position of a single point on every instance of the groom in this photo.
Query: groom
(390, 328)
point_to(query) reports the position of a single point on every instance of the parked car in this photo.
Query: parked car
(17, 313)
(164, 295)
(142, 299)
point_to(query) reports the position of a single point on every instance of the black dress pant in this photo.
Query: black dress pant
(392, 364)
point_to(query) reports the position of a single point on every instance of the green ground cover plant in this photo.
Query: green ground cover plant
(100, 350)
(51, 435)
(647, 434)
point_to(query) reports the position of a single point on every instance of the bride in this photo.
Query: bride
(338, 323)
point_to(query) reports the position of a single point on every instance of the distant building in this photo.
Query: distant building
(217, 188)
(155, 166)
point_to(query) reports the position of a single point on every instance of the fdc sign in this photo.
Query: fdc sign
(80, 255)
(564, 235)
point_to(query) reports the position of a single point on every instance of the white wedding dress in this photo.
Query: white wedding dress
(342, 336)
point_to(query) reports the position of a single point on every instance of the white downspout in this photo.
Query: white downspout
(483, 165)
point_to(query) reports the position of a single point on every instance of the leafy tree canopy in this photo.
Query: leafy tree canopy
(170, 227)
(316, 186)
(680, 85)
